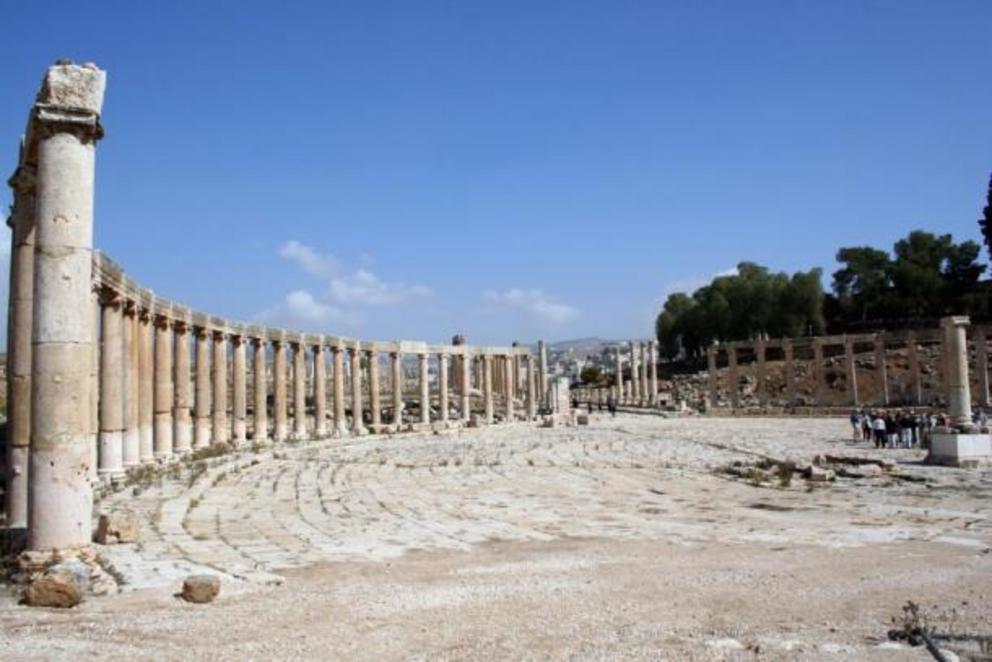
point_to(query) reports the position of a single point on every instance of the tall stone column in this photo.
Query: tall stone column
(761, 376)
(146, 387)
(299, 391)
(22, 226)
(357, 424)
(915, 382)
(375, 393)
(635, 384)
(645, 394)
(164, 394)
(508, 401)
(735, 391)
(396, 364)
(818, 381)
(653, 352)
(320, 391)
(111, 456)
(958, 384)
(260, 384)
(279, 389)
(239, 391)
(852, 374)
(487, 386)
(982, 365)
(465, 361)
(93, 384)
(425, 391)
(221, 432)
(619, 357)
(531, 395)
(129, 392)
(542, 373)
(442, 385)
(182, 436)
(881, 369)
(790, 372)
(337, 358)
(65, 124)
(202, 405)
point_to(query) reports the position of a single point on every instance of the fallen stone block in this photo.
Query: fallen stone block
(200, 589)
(117, 527)
(819, 475)
(54, 588)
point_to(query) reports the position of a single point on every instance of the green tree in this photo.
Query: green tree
(985, 222)
(590, 374)
(862, 283)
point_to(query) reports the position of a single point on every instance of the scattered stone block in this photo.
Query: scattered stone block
(819, 475)
(200, 589)
(54, 588)
(117, 527)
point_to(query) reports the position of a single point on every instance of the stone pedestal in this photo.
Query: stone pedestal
(958, 449)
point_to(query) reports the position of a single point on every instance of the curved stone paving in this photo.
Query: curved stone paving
(249, 515)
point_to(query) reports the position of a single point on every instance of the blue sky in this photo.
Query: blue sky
(509, 170)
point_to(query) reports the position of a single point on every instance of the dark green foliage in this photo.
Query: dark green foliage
(985, 222)
(590, 374)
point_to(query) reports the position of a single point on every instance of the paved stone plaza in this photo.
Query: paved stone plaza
(618, 539)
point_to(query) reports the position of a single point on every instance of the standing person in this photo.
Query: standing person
(855, 425)
(891, 430)
(866, 431)
(611, 405)
(878, 425)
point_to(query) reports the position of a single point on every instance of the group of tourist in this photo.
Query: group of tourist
(904, 428)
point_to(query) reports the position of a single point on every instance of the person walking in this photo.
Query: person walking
(855, 425)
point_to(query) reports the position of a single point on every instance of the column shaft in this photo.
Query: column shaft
(340, 426)
(958, 383)
(111, 391)
(261, 388)
(182, 440)
(239, 409)
(508, 387)
(202, 405)
(221, 432)
(982, 365)
(852, 374)
(465, 361)
(818, 382)
(487, 386)
(299, 391)
(357, 422)
(442, 385)
(375, 399)
(425, 392)
(915, 382)
(531, 395)
(881, 369)
(131, 443)
(279, 389)
(164, 395)
(734, 385)
(320, 391)
(789, 368)
(761, 388)
(397, 369)
(146, 388)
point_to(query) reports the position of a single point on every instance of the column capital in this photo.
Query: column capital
(109, 296)
(181, 326)
(70, 100)
(162, 321)
(257, 342)
(219, 334)
(955, 321)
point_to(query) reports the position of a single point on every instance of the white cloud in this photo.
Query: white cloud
(364, 287)
(535, 303)
(314, 263)
(300, 309)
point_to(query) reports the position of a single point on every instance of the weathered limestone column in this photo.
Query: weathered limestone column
(487, 386)
(129, 392)
(645, 393)
(619, 376)
(542, 373)
(881, 369)
(357, 424)
(982, 364)
(93, 384)
(279, 389)
(299, 391)
(396, 364)
(818, 381)
(164, 395)
(320, 391)
(761, 372)
(261, 388)
(735, 394)
(531, 395)
(66, 125)
(508, 401)
(635, 383)
(465, 362)
(425, 389)
(337, 357)
(915, 382)
(442, 385)
(201, 412)
(239, 391)
(958, 386)
(182, 436)
(654, 373)
(220, 429)
(111, 456)
(375, 395)
(852, 373)
(790, 372)
(19, 314)
(146, 387)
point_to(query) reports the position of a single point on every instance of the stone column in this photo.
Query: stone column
(183, 432)
(261, 388)
(531, 395)
(396, 363)
(164, 395)
(93, 384)
(958, 386)
(375, 394)
(508, 402)
(111, 456)
(279, 389)
(619, 376)
(442, 385)
(645, 393)
(542, 373)
(146, 388)
(66, 124)
(635, 384)
(982, 365)
(425, 390)
(357, 424)
(818, 381)
(761, 388)
(320, 391)
(487, 386)
(881, 369)
(239, 391)
(465, 361)
(790, 373)
(915, 383)
(337, 357)
(735, 392)
(653, 352)
(299, 391)
(201, 411)
(129, 392)
(852, 374)
(19, 314)
(221, 432)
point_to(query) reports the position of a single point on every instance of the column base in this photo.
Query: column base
(960, 449)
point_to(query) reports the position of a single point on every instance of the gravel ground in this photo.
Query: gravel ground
(623, 539)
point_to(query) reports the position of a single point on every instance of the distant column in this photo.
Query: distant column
(320, 391)
(487, 386)
(635, 383)
(619, 370)
(882, 369)
(357, 424)
(221, 433)
(146, 387)
(375, 399)
(111, 465)
(164, 394)
(340, 426)
(958, 385)
(260, 385)
(852, 373)
(542, 373)
(425, 393)
(201, 405)
(299, 391)
(279, 368)
(761, 372)
(442, 385)
(653, 353)
(982, 365)
(531, 395)
(396, 366)
(131, 445)
(508, 362)
(182, 434)
(735, 394)
(790, 372)
(915, 382)
(239, 391)
(818, 381)
(465, 361)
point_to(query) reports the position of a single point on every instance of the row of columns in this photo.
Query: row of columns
(641, 389)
